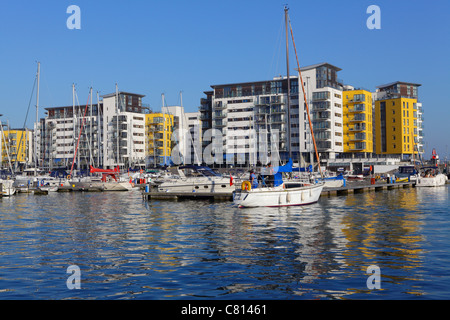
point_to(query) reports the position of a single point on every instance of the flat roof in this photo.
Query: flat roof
(123, 92)
(398, 82)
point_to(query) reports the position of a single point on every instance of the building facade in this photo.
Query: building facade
(358, 117)
(242, 111)
(124, 130)
(399, 121)
(16, 148)
(158, 129)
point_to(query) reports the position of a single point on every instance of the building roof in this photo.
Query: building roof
(123, 92)
(317, 65)
(398, 82)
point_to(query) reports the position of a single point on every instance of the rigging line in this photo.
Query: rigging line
(277, 49)
(306, 101)
(26, 117)
(79, 134)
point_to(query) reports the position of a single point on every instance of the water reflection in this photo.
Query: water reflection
(129, 248)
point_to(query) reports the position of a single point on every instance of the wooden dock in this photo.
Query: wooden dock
(223, 196)
(218, 196)
(360, 188)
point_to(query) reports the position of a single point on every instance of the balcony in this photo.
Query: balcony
(358, 146)
(358, 118)
(322, 125)
(358, 137)
(220, 106)
(320, 96)
(358, 127)
(219, 124)
(220, 115)
(321, 106)
(358, 108)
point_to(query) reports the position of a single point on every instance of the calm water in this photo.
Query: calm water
(127, 248)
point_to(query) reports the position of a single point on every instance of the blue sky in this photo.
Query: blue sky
(155, 47)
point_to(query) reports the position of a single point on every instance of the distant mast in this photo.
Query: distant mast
(36, 162)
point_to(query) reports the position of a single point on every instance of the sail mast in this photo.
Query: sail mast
(37, 120)
(288, 83)
(306, 102)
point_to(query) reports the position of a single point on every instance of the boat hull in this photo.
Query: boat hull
(436, 181)
(197, 185)
(7, 187)
(278, 196)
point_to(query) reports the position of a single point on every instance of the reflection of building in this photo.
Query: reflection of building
(16, 147)
(159, 128)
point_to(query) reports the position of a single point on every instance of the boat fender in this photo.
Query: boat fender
(288, 197)
(284, 186)
(68, 177)
(246, 185)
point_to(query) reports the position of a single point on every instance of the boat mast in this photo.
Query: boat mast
(306, 102)
(117, 125)
(98, 132)
(90, 132)
(164, 130)
(288, 83)
(74, 121)
(37, 120)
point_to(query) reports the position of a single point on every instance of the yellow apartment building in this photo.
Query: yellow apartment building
(17, 144)
(159, 129)
(357, 121)
(396, 126)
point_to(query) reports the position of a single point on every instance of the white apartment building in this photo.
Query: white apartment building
(241, 111)
(123, 130)
(324, 96)
(105, 134)
(60, 134)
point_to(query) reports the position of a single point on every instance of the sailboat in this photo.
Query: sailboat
(274, 192)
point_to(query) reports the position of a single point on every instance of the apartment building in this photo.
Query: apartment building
(242, 111)
(324, 96)
(16, 146)
(358, 117)
(194, 128)
(105, 134)
(158, 130)
(399, 120)
(124, 132)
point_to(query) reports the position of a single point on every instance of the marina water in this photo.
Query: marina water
(128, 248)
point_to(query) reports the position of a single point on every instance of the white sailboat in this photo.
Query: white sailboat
(278, 192)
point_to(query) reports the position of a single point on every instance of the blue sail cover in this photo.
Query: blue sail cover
(286, 168)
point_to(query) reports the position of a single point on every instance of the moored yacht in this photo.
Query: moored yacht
(192, 178)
